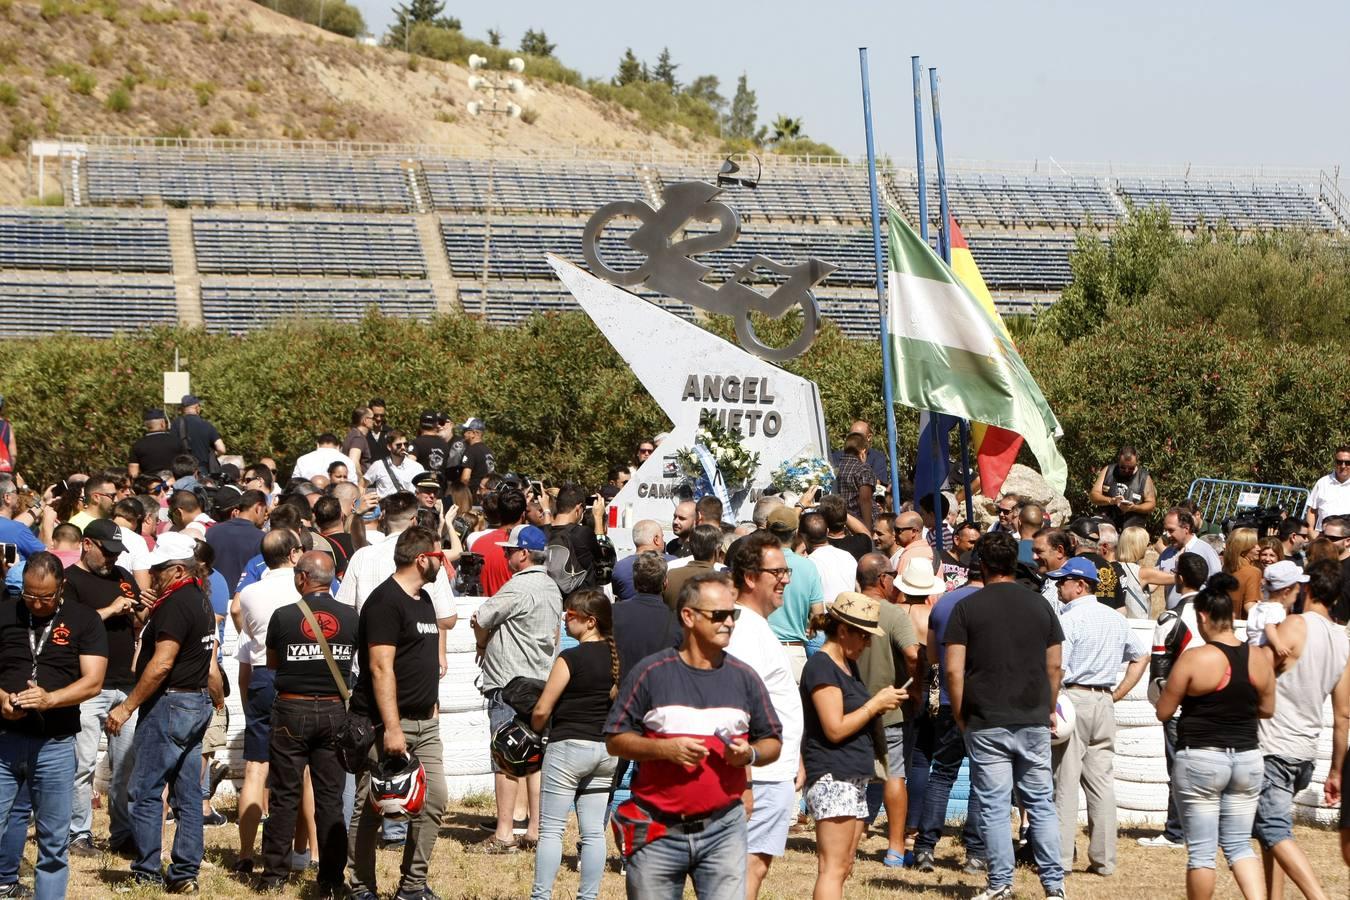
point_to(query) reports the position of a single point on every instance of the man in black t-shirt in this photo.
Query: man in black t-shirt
(479, 462)
(834, 512)
(154, 452)
(110, 592)
(53, 655)
(177, 681)
(398, 646)
(429, 446)
(581, 541)
(197, 436)
(309, 712)
(1003, 671)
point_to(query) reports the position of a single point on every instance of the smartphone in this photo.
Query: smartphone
(905, 686)
(724, 735)
(11, 553)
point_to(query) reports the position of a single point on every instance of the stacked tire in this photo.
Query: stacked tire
(464, 719)
(1308, 805)
(1141, 764)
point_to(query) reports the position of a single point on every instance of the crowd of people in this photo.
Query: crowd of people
(796, 672)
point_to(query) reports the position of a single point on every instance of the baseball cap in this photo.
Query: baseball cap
(1085, 527)
(152, 413)
(1077, 567)
(172, 546)
(784, 519)
(1280, 575)
(190, 400)
(430, 418)
(474, 424)
(106, 534)
(525, 537)
(228, 497)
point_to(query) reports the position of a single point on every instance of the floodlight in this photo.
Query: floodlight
(476, 61)
(474, 107)
(513, 111)
(477, 82)
(516, 64)
(516, 86)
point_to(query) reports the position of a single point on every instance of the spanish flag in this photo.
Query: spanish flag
(995, 448)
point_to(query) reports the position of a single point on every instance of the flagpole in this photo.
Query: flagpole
(918, 147)
(945, 247)
(887, 388)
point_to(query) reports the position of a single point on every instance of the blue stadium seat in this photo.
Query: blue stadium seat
(1248, 205)
(96, 305)
(566, 187)
(346, 246)
(82, 239)
(238, 307)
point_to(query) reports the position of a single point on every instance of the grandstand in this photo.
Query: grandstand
(258, 231)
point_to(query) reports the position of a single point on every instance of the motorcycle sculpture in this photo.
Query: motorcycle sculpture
(669, 269)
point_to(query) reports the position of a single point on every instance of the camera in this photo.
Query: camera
(467, 574)
(1266, 520)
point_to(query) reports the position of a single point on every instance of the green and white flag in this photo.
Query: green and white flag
(951, 356)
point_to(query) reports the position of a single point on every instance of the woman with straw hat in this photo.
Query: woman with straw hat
(837, 743)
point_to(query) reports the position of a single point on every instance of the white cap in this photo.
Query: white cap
(1283, 574)
(171, 546)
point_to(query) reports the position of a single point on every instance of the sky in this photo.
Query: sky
(1236, 83)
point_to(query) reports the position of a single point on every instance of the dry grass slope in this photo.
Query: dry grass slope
(233, 68)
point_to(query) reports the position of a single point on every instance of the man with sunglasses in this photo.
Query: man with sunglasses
(100, 496)
(696, 719)
(398, 645)
(761, 574)
(1006, 508)
(1330, 496)
(641, 454)
(517, 632)
(380, 433)
(397, 470)
(53, 656)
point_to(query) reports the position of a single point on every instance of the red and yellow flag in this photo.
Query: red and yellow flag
(995, 448)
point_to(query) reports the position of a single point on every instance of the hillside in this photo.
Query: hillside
(233, 68)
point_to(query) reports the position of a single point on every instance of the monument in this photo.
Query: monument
(688, 370)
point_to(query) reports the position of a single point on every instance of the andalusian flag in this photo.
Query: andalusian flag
(953, 356)
(995, 448)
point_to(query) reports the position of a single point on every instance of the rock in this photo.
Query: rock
(1028, 483)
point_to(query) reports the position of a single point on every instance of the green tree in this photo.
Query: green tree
(665, 70)
(407, 16)
(706, 88)
(536, 43)
(786, 129)
(744, 113)
(495, 37)
(630, 70)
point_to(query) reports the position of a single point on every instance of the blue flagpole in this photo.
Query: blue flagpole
(918, 147)
(887, 388)
(945, 245)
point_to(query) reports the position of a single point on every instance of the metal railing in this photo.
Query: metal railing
(1219, 499)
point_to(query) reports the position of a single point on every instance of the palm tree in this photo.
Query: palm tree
(786, 128)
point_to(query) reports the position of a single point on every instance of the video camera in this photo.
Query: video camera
(467, 575)
(1265, 519)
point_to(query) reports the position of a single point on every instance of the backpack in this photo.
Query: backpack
(561, 563)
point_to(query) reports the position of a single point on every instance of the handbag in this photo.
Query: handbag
(357, 734)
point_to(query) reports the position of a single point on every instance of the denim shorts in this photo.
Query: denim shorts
(262, 696)
(1218, 791)
(499, 713)
(834, 798)
(1275, 810)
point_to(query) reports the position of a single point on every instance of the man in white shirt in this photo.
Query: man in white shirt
(838, 568)
(257, 602)
(761, 572)
(317, 461)
(127, 515)
(371, 566)
(396, 472)
(1331, 494)
(1179, 527)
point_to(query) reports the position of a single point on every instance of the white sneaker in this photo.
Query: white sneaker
(1160, 842)
(1003, 893)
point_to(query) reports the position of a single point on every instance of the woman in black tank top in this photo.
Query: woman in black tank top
(1223, 689)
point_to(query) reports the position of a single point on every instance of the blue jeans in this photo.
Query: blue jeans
(44, 768)
(580, 772)
(948, 750)
(15, 837)
(168, 751)
(713, 856)
(1001, 760)
(1284, 777)
(1218, 791)
(93, 715)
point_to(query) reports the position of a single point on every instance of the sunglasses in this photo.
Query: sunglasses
(1007, 512)
(434, 554)
(646, 451)
(717, 616)
(1343, 462)
(402, 445)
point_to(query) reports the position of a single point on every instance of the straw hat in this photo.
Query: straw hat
(859, 610)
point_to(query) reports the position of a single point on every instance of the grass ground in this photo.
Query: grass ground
(458, 873)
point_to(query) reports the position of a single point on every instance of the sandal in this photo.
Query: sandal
(494, 847)
(525, 843)
(894, 859)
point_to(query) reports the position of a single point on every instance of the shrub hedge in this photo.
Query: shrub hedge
(559, 401)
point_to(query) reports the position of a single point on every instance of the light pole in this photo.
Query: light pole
(494, 83)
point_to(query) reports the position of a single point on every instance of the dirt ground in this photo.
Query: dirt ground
(456, 872)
